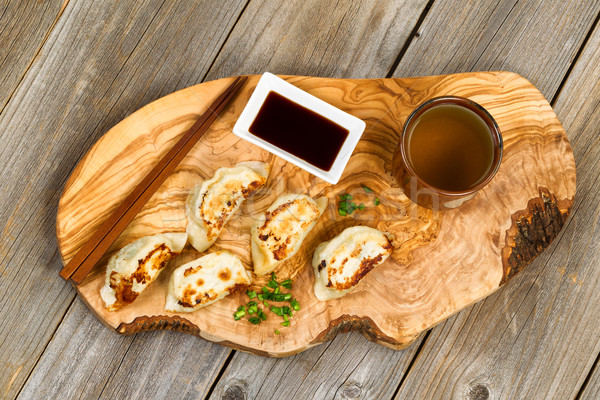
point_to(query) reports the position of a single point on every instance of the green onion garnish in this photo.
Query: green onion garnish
(277, 332)
(273, 284)
(361, 206)
(342, 212)
(238, 314)
(376, 201)
(286, 323)
(251, 294)
(287, 297)
(276, 310)
(240, 308)
(287, 284)
(286, 318)
(367, 189)
(295, 305)
(262, 315)
(254, 320)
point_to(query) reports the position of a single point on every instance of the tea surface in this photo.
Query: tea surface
(450, 147)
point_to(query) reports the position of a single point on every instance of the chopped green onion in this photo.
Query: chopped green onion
(262, 315)
(240, 308)
(261, 297)
(276, 291)
(342, 212)
(254, 320)
(287, 297)
(376, 201)
(265, 290)
(295, 305)
(367, 189)
(346, 196)
(277, 332)
(286, 310)
(251, 294)
(273, 284)
(276, 310)
(286, 318)
(286, 323)
(343, 205)
(238, 314)
(273, 276)
(287, 284)
(251, 303)
(266, 304)
(361, 206)
(278, 297)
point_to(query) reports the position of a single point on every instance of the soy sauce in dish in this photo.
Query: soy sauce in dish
(299, 131)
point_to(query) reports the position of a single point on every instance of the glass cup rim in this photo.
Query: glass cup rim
(481, 113)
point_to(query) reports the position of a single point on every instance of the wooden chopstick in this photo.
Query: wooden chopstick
(91, 252)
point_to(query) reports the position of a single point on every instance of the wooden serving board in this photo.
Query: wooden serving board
(443, 262)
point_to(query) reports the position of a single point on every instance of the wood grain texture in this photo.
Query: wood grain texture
(537, 337)
(537, 39)
(345, 368)
(115, 58)
(430, 256)
(347, 39)
(24, 27)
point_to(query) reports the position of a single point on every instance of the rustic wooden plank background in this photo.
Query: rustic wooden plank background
(69, 70)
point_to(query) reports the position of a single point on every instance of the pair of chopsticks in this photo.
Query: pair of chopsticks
(91, 252)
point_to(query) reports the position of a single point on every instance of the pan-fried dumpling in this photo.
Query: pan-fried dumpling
(210, 204)
(343, 261)
(136, 266)
(278, 233)
(205, 280)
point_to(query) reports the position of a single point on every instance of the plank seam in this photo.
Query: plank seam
(410, 365)
(225, 41)
(409, 39)
(116, 370)
(575, 59)
(494, 35)
(213, 386)
(35, 55)
(45, 347)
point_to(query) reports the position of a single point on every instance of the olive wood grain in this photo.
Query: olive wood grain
(442, 263)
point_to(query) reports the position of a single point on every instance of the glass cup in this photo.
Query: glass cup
(418, 189)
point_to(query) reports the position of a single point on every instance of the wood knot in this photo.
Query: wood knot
(234, 392)
(351, 390)
(478, 392)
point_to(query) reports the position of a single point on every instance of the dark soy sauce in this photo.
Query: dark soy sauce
(299, 131)
(450, 147)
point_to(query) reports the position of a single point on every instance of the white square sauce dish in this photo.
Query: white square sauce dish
(299, 127)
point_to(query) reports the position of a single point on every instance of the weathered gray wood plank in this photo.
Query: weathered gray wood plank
(345, 368)
(346, 39)
(538, 336)
(24, 26)
(102, 61)
(84, 356)
(537, 39)
(579, 102)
